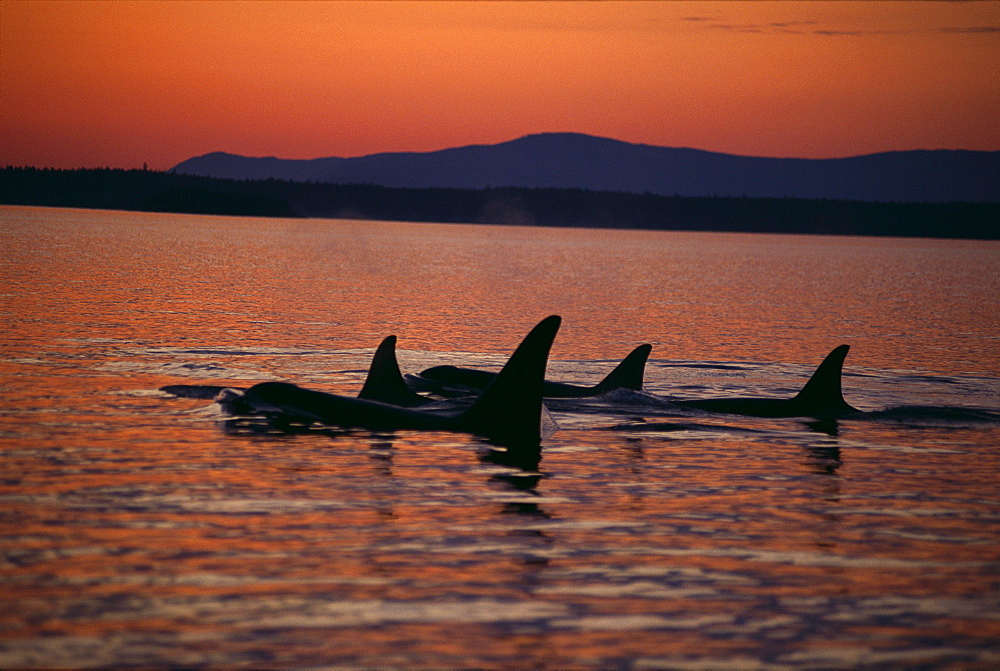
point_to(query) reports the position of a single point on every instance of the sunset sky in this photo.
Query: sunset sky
(119, 84)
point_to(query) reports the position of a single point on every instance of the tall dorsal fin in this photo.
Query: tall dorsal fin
(385, 381)
(823, 394)
(629, 373)
(510, 409)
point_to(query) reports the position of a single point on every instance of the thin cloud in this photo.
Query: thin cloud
(853, 33)
(740, 28)
(792, 27)
(972, 29)
(946, 30)
(813, 28)
(774, 27)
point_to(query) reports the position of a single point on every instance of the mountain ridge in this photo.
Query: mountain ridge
(577, 160)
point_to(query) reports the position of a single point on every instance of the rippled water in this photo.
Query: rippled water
(140, 529)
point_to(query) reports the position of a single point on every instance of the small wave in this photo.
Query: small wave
(200, 391)
(242, 352)
(933, 415)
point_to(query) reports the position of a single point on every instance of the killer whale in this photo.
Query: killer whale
(384, 382)
(508, 412)
(447, 380)
(821, 398)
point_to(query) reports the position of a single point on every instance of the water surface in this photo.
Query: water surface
(139, 529)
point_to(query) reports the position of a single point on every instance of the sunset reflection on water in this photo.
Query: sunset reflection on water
(137, 530)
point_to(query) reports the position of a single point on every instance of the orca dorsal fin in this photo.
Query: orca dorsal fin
(629, 373)
(509, 411)
(823, 394)
(385, 381)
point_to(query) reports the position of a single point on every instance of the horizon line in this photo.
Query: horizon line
(144, 165)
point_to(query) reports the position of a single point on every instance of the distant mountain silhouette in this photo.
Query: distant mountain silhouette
(577, 161)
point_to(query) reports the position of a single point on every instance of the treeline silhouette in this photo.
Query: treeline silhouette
(146, 190)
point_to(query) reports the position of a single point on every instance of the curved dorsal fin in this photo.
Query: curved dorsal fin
(509, 411)
(629, 373)
(823, 394)
(385, 381)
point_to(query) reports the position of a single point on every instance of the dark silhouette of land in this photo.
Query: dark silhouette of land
(146, 190)
(142, 190)
(577, 161)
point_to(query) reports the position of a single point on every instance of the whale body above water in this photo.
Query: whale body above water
(509, 411)
(448, 380)
(821, 398)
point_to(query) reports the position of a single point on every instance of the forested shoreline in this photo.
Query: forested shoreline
(154, 191)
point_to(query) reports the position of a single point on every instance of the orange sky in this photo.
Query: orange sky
(122, 83)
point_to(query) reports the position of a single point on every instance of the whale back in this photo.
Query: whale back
(628, 374)
(473, 380)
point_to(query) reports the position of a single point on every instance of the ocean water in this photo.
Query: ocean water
(137, 528)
